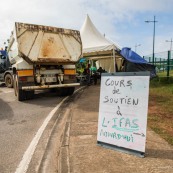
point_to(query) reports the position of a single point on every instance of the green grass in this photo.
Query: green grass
(160, 117)
(165, 73)
(163, 134)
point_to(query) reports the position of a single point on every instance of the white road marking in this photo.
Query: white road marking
(23, 165)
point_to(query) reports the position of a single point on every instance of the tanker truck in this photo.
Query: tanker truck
(43, 57)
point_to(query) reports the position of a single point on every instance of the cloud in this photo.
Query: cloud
(115, 18)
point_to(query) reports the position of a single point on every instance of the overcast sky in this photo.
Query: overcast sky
(122, 21)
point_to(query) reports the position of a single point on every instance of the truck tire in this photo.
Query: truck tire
(9, 80)
(15, 85)
(21, 94)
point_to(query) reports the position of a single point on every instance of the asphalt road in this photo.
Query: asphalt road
(19, 122)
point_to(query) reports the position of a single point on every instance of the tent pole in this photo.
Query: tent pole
(114, 59)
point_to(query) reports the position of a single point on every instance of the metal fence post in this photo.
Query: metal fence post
(169, 54)
(155, 62)
(160, 64)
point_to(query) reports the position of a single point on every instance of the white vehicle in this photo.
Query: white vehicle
(43, 57)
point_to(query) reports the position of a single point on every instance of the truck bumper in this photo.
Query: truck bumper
(49, 86)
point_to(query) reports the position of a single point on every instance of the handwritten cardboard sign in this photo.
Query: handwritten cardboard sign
(123, 111)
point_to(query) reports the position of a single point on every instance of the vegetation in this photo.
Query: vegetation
(160, 118)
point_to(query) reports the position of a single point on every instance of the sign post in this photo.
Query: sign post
(123, 111)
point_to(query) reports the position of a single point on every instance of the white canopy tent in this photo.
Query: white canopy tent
(97, 47)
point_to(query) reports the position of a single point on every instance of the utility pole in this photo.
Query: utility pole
(154, 21)
(171, 43)
(169, 56)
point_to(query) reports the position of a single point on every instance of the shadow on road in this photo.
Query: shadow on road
(44, 98)
(5, 111)
(2, 85)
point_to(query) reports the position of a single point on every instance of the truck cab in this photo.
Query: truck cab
(5, 69)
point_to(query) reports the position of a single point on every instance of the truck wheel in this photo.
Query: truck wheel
(9, 80)
(19, 93)
(15, 85)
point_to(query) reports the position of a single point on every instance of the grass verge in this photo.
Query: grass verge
(160, 118)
